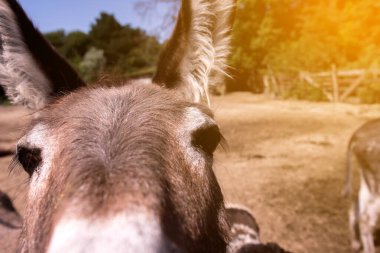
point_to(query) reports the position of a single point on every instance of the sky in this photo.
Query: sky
(51, 15)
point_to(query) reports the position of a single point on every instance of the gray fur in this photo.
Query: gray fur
(20, 75)
(31, 71)
(198, 48)
(364, 147)
(96, 152)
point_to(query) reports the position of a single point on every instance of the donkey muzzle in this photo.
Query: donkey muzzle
(137, 232)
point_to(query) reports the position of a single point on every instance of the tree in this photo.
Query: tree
(105, 28)
(303, 35)
(71, 46)
(148, 7)
(109, 46)
(92, 64)
(126, 49)
(76, 44)
(57, 39)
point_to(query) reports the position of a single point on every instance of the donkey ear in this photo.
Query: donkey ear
(31, 71)
(195, 55)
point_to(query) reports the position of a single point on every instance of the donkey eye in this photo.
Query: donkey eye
(206, 138)
(29, 158)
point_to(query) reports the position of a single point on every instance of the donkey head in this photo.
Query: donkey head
(122, 169)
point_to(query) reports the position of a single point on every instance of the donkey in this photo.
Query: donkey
(364, 145)
(245, 232)
(120, 169)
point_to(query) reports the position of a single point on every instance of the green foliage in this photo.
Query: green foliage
(108, 47)
(292, 35)
(104, 30)
(304, 91)
(76, 44)
(369, 93)
(56, 38)
(92, 64)
(126, 49)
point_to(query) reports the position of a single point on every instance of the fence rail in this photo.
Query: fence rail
(336, 85)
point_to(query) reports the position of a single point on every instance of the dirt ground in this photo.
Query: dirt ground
(285, 161)
(13, 120)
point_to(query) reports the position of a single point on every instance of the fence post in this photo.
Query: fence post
(267, 86)
(334, 79)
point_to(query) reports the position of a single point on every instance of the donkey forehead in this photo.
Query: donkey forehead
(118, 129)
(131, 104)
(120, 110)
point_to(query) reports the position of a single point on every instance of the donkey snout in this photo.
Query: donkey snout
(125, 233)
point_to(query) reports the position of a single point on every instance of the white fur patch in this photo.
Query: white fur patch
(38, 138)
(249, 236)
(369, 211)
(124, 233)
(194, 119)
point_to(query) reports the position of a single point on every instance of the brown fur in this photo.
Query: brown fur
(364, 146)
(129, 157)
(126, 149)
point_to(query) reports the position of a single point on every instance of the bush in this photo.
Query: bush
(92, 64)
(304, 91)
(369, 93)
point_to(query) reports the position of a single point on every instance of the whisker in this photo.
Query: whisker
(24, 182)
(14, 165)
(223, 144)
(21, 188)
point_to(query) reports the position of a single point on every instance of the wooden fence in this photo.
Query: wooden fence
(336, 85)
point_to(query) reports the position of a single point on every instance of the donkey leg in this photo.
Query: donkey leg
(367, 218)
(353, 217)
